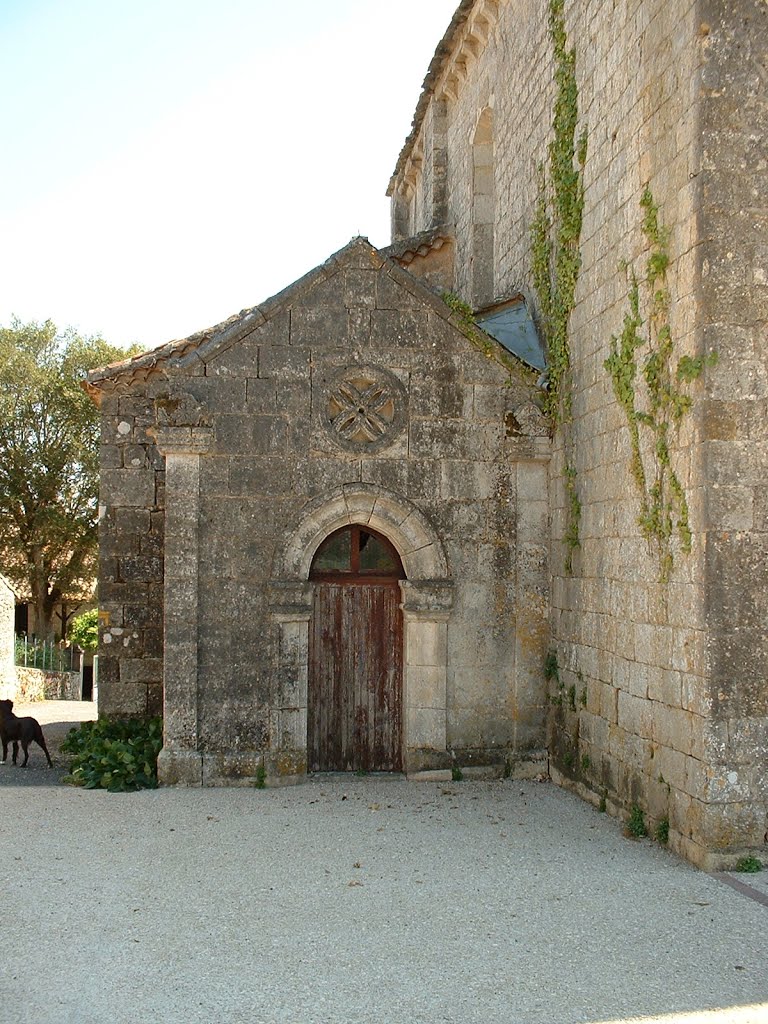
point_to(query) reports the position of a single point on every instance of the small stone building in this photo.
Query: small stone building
(7, 660)
(324, 535)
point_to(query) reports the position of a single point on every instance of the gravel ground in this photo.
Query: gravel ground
(357, 900)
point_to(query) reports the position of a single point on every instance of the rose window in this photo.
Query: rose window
(364, 408)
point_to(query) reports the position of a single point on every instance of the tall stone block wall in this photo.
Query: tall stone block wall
(131, 530)
(658, 688)
(734, 415)
(629, 642)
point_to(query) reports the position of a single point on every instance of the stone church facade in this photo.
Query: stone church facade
(350, 409)
(233, 461)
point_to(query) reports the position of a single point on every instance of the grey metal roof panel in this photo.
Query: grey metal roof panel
(514, 328)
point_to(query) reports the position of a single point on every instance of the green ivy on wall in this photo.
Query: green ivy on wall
(556, 255)
(653, 389)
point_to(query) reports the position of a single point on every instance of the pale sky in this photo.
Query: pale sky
(167, 163)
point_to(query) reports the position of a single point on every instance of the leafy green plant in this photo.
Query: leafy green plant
(662, 832)
(84, 630)
(119, 755)
(603, 805)
(636, 826)
(749, 865)
(457, 774)
(551, 669)
(652, 389)
(556, 255)
(586, 763)
(261, 775)
(49, 464)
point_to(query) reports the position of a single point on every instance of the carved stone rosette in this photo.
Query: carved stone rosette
(364, 409)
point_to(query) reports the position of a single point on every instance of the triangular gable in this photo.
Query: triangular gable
(203, 345)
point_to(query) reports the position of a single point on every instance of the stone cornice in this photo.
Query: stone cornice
(464, 41)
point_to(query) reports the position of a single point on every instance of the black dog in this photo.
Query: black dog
(19, 730)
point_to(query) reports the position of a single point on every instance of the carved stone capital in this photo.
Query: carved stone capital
(291, 600)
(433, 598)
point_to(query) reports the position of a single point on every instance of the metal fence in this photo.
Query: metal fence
(46, 654)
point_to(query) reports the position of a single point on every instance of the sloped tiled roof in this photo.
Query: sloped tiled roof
(183, 353)
(406, 250)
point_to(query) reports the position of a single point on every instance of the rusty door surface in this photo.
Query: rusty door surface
(355, 678)
(355, 698)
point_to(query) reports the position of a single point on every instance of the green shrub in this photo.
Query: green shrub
(551, 669)
(114, 754)
(750, 865)
(636, 823)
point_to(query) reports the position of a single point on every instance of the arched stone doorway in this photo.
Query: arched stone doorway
(355, 671)
(425, 600)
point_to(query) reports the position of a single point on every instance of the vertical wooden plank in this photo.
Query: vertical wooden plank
(355, 685)
(379, 642)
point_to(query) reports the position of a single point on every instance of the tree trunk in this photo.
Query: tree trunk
(63, 615)
(42, 601)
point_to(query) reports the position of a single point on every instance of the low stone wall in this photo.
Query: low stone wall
(35, 684)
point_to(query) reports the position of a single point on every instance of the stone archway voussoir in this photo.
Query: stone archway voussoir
(401, 522)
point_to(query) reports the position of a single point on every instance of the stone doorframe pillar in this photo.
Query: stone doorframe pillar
(427, 598)
(180, 761)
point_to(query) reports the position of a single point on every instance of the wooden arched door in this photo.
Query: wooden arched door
(355, 696)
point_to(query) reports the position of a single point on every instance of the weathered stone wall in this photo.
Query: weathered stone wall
(630, 644)
(733, 218)
(660, 688)
(7, 669)
(130, 555)
(35, 684)
(453, 461)
(239, 444)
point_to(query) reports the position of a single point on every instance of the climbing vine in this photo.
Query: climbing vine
(652, 387)
(556, 254)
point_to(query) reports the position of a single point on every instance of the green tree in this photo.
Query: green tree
(49, 447)
(84, 630)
